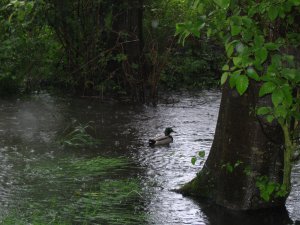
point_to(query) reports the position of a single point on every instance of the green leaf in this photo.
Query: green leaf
(252, 74)
(273, 12)
(246, 60)
(270, 188)
(295, 2)
(282, 191)
(289, 59)
(288, 95)
(270, 118)
(196, 4)
(246, 21)
(188, 28)
(237, 61)
(267, 88)
(272, 69)
(252, 11)
(262, 7)
(259, 41)
(290, 74)
(193, 160)
(276, 60)
(236, 20)
(233, 78)
(247, 35)
(277, 97)
(261, 54)
(265, 196)
(21, 15)
(224, 4)
(242, 84)
(281, 111)
(235, 30)
(296, 115)
(224, 78)
(242, 49)
(258, 65)
(229, 168)
(297, 78)
(272, 46)
(263, 111)
(225, 67)
(229, 51)
(201, 154)
(209, 32)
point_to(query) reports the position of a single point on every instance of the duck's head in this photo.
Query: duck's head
(168, 131)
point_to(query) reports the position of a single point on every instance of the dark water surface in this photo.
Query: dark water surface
(122, 181)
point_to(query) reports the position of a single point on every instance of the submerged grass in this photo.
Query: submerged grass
(109, 196)
(76, 135)
(111, 202)
(74, 168)
(36, 217)
(98, 165)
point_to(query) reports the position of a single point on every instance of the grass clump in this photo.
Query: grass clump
(98, 165)
(76, 135)
(98, 190)
(111, 202)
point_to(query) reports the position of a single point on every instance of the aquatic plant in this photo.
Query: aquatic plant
(35, 217)
(94, 190)
(97, 166)
(74, 168)
(110, 202)
(76, 135)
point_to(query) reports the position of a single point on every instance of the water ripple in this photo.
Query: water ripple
(34, 169)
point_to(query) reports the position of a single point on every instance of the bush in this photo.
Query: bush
(196, 65)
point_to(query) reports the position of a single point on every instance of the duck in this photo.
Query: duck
(162, 139)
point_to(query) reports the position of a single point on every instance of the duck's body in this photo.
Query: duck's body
(162, 139)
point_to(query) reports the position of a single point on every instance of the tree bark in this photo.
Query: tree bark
(130, 21)
(245, 147)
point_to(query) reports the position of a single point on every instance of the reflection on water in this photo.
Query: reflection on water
(123, 181)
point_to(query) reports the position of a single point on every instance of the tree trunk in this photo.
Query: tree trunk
(136, 73)
(80, 28)
(245, 147)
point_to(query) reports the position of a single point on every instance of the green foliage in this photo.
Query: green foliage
(93, 190)
(247, 171)
(78, 168)
(61, 44)
(161, 18)
(222, 3)
(259, 54)
(112, 202)
(193, 66)
(96, 166)
(229, 167)
(28, 50)
(270, 189)
(242, 84)
(200, 156)
(77, 136)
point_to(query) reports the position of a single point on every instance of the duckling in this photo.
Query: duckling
(163, 139)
